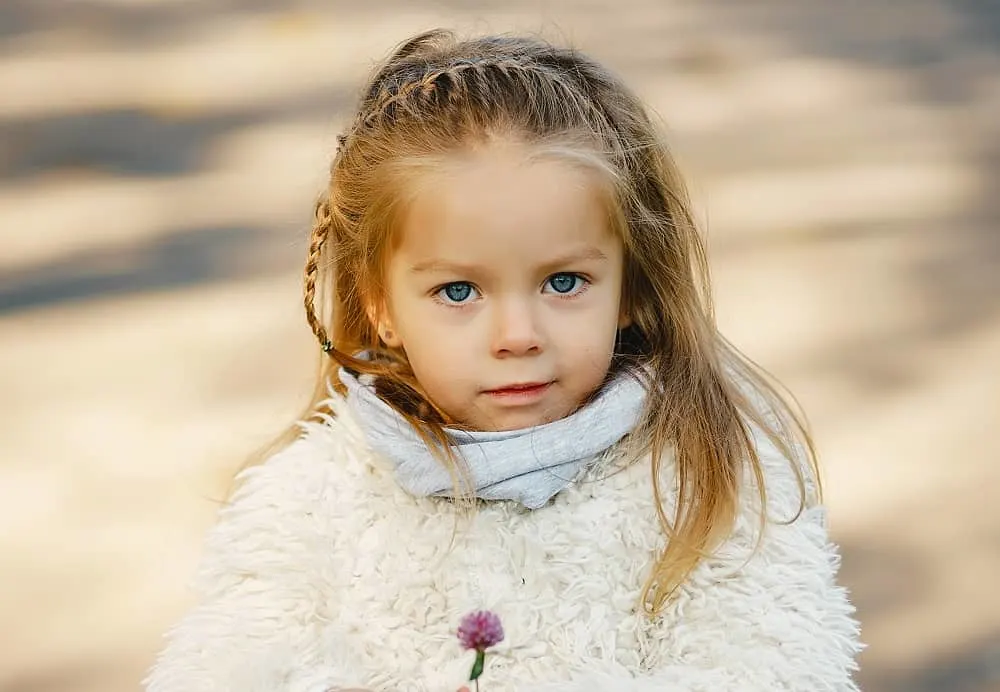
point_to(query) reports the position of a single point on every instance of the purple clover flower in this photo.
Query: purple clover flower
(480, 630)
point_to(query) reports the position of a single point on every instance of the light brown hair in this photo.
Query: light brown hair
(437, 94)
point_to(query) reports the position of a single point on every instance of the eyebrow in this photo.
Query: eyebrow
(588, 253)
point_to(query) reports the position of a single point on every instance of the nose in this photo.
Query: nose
(516, 329)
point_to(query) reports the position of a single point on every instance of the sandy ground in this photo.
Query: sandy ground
(157, 165)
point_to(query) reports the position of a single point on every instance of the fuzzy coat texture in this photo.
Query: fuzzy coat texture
(324, 574)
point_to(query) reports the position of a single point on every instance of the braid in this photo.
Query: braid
(386, 101)
(320, 232)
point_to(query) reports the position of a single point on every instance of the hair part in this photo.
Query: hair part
(437, 95)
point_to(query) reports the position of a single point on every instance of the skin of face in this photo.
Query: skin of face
(504, 288)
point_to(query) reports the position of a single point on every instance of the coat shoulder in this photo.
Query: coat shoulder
(293, 504)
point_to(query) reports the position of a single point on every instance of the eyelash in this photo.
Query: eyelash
(438, 292)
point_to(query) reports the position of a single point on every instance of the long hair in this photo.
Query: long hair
(437, 94)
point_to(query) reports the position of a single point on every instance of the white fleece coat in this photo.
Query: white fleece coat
(323, 574)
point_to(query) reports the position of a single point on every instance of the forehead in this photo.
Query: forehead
(503, 201)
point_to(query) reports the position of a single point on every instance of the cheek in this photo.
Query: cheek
(434, 352)
(599, 326)
(445, 377)
(594, 341)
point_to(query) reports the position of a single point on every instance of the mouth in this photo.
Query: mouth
(520, 392)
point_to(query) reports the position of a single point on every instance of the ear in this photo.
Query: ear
(624, 306)
(382, 321)
(389, 336)
(624, 315)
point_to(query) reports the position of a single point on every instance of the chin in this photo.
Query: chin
(515, 421)
(513, 425)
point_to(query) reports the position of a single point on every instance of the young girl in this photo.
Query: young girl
(526, 407)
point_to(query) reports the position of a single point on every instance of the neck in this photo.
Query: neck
(529, 466)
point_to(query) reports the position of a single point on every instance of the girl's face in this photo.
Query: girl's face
(504, 289)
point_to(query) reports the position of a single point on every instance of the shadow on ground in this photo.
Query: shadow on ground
(173, 260)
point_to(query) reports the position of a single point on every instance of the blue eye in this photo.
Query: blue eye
(457, 292)
(565, 283)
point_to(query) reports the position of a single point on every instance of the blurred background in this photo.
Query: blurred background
(158, 163)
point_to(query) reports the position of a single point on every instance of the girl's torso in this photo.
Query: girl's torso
(565, 580)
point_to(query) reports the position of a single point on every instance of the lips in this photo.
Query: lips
(521, 387)
(519, 393)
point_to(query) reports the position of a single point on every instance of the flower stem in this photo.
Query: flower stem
(477, 667)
